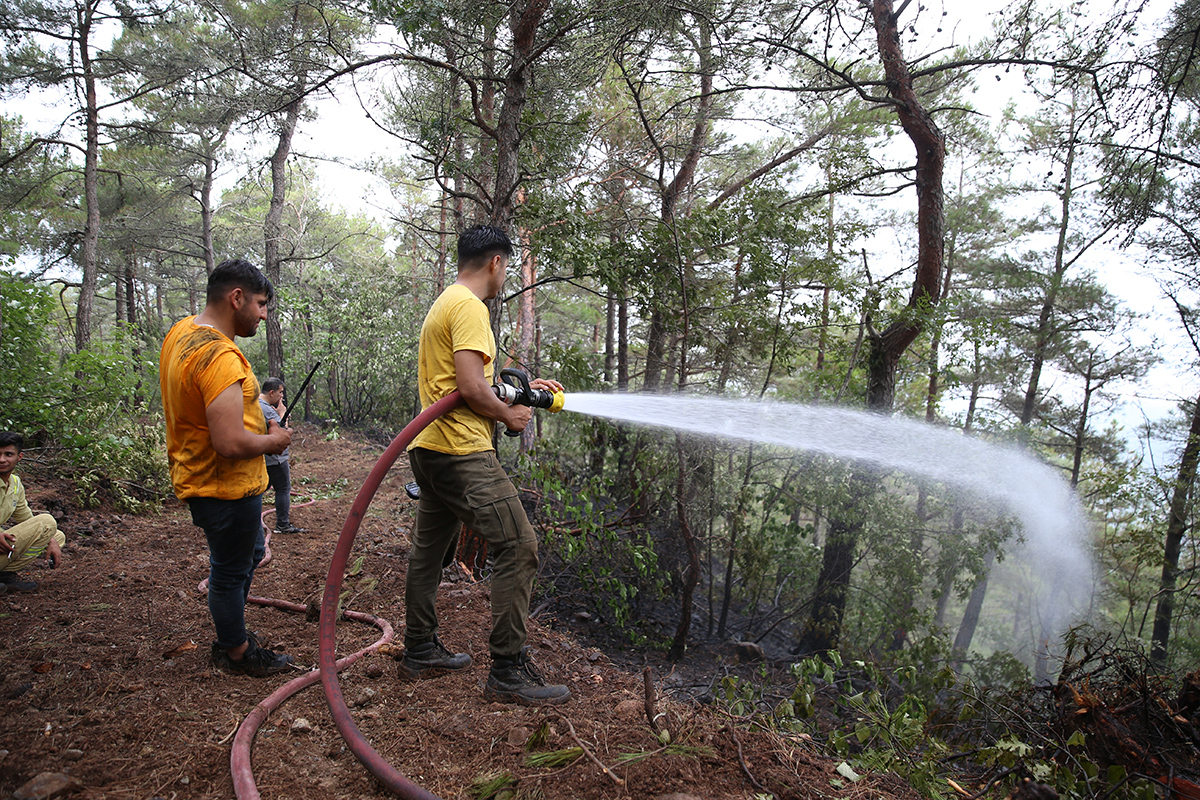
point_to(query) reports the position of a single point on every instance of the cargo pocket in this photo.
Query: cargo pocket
(496, 508)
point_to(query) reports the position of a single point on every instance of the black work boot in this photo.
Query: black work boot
(428, 660)
(517, 680)
(257, 661)
(13, 583)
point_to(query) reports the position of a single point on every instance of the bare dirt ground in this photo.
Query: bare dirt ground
(105, 674)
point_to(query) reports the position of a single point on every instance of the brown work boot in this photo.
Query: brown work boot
(517, 680)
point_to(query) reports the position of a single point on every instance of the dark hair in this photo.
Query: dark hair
(478, 244)
(9, 439)
(271, 384)
(238, 274)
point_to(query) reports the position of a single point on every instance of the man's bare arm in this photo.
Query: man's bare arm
(477, 392)
(229, 435)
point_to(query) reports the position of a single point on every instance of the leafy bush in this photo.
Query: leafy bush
(31, 390)
(84, 406)
(609, 559)
(939, 732)
(121, 461)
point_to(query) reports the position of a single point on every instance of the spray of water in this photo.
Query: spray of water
(1036, 494)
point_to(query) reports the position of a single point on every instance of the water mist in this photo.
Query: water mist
(1055, 547)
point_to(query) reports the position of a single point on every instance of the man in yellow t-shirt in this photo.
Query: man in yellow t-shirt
(216, 438)
(462, 482)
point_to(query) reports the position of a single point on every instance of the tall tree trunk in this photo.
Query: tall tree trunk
(824, 626)
(1177, 526)
(966, 628)
(970, 620)
(90, 253)
(206, 207)
(610, 337)
(623, 339)
(527, 324)
(524, 21)
(734, 332)
(273, 232)
(735, 527)
(119, 294)
(692, 575)
(127, 279)
(1080, 438)
(917, 542)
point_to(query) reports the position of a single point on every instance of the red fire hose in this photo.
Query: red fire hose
(239, 758)
(355, 740)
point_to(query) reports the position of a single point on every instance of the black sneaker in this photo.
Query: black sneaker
(256, 661)
(12, 582)
(289, 528)
(428, 660)
(517, 680)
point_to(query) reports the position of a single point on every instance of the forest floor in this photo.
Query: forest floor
(105, 674)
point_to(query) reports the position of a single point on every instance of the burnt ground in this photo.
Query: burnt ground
(105, 674)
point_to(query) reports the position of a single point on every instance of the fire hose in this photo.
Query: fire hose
(376, 764)
(518, 391)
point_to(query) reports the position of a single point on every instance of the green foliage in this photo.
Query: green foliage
(694, 752)
(906, 722)
(83, 406)
(32, 393)
(119, 460)
(324, 491)
(613, 563)
(553, 758)
(493, 786)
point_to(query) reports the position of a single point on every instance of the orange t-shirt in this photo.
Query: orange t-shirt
(197, 364)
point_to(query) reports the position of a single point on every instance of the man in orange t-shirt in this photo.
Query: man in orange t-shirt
(216, 439)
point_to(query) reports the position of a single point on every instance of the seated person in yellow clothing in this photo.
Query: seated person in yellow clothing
(29, 537)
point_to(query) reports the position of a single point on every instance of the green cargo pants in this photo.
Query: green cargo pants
(471, 490)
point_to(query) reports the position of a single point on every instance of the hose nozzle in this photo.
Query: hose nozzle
(513, 388)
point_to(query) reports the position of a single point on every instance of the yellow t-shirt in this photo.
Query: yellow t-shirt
(458, 320)
(197, 364)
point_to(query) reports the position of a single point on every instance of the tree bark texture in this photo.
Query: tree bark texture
(692, 576)
(930, 144)
(970, 620)
(1177, 526)
(273, 233)
(656, 338)
(89, 256)
(206, 209)
(1045, 332)
(829, 604)
(525, 20)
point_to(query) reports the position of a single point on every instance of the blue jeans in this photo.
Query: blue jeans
(235, 547)
(279, 478)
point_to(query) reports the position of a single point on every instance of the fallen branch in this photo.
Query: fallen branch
(745, 768)
(619, 781)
